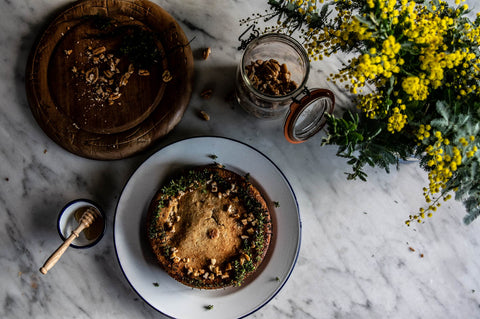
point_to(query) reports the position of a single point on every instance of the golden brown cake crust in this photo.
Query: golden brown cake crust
(209, 228)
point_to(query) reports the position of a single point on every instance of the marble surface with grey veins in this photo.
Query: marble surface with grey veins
(357, 258)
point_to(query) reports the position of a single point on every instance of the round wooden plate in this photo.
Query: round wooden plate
(100, 116)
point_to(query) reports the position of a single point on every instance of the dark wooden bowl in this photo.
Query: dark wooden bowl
(149, 107)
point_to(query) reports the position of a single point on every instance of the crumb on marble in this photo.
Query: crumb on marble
(206, 53)
(204, 115)
(206, 94)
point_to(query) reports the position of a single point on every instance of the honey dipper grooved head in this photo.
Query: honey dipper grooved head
(89, 216)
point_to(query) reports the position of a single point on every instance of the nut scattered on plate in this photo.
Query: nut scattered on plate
(166, 76)
(103, 75)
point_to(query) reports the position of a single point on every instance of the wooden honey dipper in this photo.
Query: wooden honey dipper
(85, 221)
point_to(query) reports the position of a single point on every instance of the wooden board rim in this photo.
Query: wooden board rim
(158, 124)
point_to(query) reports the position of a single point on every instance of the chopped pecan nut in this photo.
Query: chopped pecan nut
(206, 53)
(204, 115)
(131, 68)
(99, 50)
(143, 72)
(124, 79)
(270, 77)
(92, 75)
(166, 76)
(115, 95)
(108, 73)
(214, 187)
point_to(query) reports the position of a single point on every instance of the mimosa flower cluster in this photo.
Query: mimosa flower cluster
(414, 76)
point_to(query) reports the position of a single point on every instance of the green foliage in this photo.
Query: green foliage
(422, 63)
(241, 270)
(362, 142)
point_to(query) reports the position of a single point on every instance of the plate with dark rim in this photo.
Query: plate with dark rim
(154, 285)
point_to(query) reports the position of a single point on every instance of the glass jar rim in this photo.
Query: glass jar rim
(289, 41)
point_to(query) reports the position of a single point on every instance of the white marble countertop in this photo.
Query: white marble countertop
(355, 260)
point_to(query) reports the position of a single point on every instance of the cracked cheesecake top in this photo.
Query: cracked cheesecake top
(209, 228)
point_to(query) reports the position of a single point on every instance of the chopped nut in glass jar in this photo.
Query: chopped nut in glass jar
(270, 77)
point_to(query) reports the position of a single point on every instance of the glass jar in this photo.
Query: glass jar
(283, 49)
(302, 108)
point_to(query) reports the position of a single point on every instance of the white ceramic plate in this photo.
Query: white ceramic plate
(155, 286)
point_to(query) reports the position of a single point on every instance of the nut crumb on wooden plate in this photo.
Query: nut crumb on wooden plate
(105, 78)
(166, 76)
(89, 88)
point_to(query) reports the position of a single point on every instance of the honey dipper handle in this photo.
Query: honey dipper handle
(52, 260)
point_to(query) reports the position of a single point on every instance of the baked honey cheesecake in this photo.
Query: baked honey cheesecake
(209, 228)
